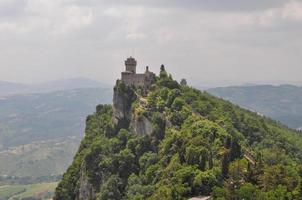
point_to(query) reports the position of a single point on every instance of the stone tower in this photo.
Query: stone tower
(130, 64)
(131, 78)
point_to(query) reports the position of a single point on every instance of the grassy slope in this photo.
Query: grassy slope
(42, 190)
(39, 159)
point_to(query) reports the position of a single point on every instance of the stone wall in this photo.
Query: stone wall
(137, 80)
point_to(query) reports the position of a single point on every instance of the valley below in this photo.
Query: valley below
(39, 135)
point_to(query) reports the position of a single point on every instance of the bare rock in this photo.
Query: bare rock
(141, 125)
(123, 97)
(86, 190)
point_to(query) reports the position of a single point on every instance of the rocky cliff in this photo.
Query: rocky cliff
(124, 114)
(123, 97)
(141, 125)
(86, 190)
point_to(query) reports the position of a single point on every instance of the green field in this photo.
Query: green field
(41, 190)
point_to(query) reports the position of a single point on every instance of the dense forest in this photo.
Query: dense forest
(199, 145)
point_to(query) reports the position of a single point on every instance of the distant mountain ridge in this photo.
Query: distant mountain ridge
(9, 88)
(33, 117)
(283, 103)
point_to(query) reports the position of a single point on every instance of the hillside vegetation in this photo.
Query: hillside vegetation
(197, 145)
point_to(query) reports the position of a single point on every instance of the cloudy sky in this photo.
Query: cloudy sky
(208, 42)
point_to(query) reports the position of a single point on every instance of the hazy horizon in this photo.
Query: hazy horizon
(198, 85)
(210, 43)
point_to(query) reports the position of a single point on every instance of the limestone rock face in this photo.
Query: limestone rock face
(123, 116)
(141, 126)
(123, 97)
(86, 190)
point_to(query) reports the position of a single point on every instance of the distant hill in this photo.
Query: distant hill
(37, 161)
(9, 88)
(34, 117)
(39, 133)
(283, 103)
(68, 84)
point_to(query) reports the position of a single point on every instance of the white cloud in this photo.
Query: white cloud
(55, 16)
(74, 18)
(293, 10)
(289, 13)
(12, 28)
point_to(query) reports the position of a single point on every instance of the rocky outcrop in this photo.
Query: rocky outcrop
(141, 125)
(123, 97)
(123, 115)
(86, 190)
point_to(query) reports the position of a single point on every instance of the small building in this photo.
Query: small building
(131, 78)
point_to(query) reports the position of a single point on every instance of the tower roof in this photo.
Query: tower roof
(130, 61)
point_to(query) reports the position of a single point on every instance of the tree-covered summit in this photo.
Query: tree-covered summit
(176, 142)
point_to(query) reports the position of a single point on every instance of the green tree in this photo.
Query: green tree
(111, 190)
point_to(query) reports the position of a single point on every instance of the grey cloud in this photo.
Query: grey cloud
(204, 41)
(210, 5)
(235, 5)
(11, 8)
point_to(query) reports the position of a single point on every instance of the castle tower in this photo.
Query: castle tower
(131, 78)
(130, 64)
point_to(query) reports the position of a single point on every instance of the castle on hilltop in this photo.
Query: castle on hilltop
(131, 78)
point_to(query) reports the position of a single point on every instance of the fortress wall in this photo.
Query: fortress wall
(139, 80)
(127, 78)
(133, 79)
